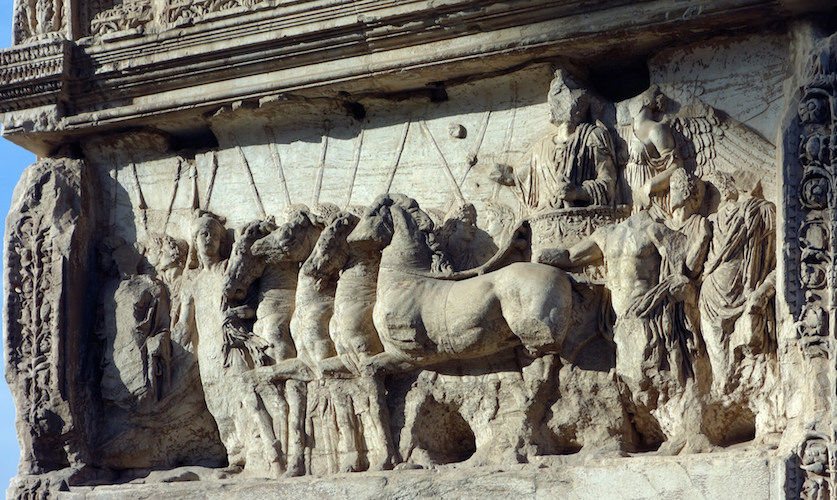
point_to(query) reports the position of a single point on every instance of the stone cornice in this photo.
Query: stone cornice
(33, 75)
(363, 46)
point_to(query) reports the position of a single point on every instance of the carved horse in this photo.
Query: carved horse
(424, 320)
(316, 286)
(351, 326)
(274, 260)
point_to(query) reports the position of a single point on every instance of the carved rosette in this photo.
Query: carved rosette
(817, 156)
(814, 221)
(125, 16)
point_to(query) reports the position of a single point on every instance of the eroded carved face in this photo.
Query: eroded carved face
(568, 108)
(683, 188)
(725, 184)
(423, 221)
(208, 234)
(169, 253)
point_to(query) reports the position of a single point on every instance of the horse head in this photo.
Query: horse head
(395, 222)
(331, 252)
(243, 267)
(292, 241)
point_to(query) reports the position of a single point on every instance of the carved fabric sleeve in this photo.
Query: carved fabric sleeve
(700, 234)
(600, 190)
(182, 331)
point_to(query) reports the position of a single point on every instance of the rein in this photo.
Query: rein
(492, 264)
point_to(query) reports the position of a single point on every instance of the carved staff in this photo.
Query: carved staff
(211, 183)
(253, 189)
(507, 138)
(321, 167)
(473, 157)
(174, 191)
(193, 174)
(398, 156)
(458, 192)
(142, 205)
(277, 162)
(355, 164)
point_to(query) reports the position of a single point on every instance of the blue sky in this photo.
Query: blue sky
(13, 160)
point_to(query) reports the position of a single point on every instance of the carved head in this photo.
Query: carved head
(725, 184)
(388, 213)
(460, 225)
(293, 240)
(243, 268)
(167, 252)
(207, 235)
(685, 190)
(651, 99)
(327, 211)
(374, 230)
(569, 101)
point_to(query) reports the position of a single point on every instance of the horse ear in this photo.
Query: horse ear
(401, 219)
(316, 220)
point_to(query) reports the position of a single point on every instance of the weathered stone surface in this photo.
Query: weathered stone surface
(541, 249)
(727, 476)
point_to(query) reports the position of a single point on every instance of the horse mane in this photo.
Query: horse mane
(425, 236)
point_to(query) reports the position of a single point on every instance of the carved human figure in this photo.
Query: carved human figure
(812, 327)
(167, 255)
(739, 280)
(652, 150)
(245, 427)
(651, 267)
(572, 165)
(34, 19)
(136, 358)
(813, 460)
(138, 354)
(464, 244)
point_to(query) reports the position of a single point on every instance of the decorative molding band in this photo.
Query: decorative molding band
(135, 72)
(33, 75)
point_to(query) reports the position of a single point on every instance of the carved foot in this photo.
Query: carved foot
(383, 463)
(295, 470)
(685, 446)
(408, 466)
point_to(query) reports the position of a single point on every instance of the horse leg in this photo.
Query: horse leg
(536, 303)
(275, 328)
(385, 362)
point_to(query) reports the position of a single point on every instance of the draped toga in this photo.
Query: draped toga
(586, 160)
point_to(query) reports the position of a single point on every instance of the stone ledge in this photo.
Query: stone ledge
(194, 69)
(728, 475)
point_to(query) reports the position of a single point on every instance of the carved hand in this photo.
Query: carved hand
(243, 312)
(564, 191)
(557, 257)
(642, 196)
(502, 174)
